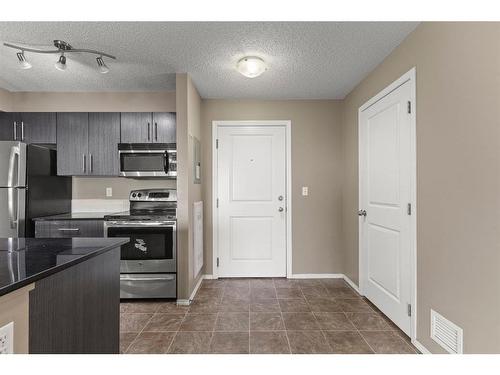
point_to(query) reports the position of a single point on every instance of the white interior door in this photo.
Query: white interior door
(385, 193)
(251, 184)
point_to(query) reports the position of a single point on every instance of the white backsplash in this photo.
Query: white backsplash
(99, 205)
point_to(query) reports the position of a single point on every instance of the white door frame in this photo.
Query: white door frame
(410, 76)
(287, 125)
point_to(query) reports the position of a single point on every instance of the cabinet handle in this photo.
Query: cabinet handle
(156, 131)
(22, 130)
(68, 229)
(84, 162)
(15, 130)
(149, 131)
(91, 163)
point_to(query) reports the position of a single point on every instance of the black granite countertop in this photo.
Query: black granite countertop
(25, 260)
(75, 216)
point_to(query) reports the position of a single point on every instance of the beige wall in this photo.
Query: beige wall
(188, 125)
(14, 307)
(87, 187)
(316, 163)
(5, 100)
(458, 175)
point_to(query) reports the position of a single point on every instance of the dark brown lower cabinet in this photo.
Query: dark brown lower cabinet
(77, 310)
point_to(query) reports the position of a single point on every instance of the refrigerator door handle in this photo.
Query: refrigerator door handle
(13, 167)
(13, 212)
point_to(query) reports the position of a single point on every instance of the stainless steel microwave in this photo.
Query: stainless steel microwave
(148, 159)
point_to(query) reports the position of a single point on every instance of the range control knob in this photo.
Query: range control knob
(133, 195)
(139, 195)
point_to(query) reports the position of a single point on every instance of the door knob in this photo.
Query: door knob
(280, 209)
(362, 213)
(280, 198)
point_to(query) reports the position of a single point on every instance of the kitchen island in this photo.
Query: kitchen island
(62, 295)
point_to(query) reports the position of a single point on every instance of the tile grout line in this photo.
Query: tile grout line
(283, 320)
(145, 325)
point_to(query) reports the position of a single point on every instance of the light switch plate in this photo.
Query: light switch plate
(109, 192)
(7, 339)
(305, 191)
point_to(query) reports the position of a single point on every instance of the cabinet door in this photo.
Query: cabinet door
(136, 127)
(164, 129)
(6, 126)
(72, 143)
(104, 136)
(38, 127)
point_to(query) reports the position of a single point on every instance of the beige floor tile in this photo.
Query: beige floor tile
(308, 342)
(232, 322)
(230, 343)
(164, 322)
(237, 293)
(151, 343)
(126, 339)
(209, 293)
(347, 342)
(286, 283)
(333, 321)
(269, 342)
(319, 304)
(198, 322)
(266, 322)
(191, 343)
(261, 283)
(218, 283)
(387, 342)
(294, 305)
(262, 293)
(300, 321)
(172, 308)
(345, 292)
(289, 293)
(133, 322)
(234, 305)
(264, 305)
(204, 306)
(139, 307)
(315, 291)
(368, 321)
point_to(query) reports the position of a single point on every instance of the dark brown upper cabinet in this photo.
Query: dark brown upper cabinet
(87, 143)
(147, 127)
(29, 127)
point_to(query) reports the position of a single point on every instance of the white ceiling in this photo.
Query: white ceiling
(305, 59)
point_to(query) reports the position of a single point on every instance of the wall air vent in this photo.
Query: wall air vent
(447, 334)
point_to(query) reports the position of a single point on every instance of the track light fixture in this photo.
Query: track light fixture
(103, 68)
(62, 48)
(61, 63)
(23, 63)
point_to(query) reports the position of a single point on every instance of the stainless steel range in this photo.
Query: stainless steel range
(148, 264)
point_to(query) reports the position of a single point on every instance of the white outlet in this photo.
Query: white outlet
(305, 191)
(7, 339)
(109, 192)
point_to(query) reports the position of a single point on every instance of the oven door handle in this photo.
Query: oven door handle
(165, 278)
(166, 162)
(167, 224)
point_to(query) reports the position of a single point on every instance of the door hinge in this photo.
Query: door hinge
(217, 203)
(217, 143)
(408, 209)
(409, 106)
(408, 309)
(217, 261)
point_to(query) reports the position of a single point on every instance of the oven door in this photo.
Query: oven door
(148, 163)
(152, 247)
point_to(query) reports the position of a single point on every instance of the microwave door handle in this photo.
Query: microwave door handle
(166, 162)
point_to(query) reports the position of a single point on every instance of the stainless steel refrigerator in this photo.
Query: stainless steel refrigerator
(29, 187)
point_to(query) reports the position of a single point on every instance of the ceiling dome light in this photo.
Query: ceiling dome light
(103, 68)
(61, 63)
(251, 66)
(23, 63)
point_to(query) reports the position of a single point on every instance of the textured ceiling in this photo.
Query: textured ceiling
(305, 59)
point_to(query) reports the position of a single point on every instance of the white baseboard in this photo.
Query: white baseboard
(316, 276)
(209, 277)
(351, 284)
(187, 302)
(422, 349)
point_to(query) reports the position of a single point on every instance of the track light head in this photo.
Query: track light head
(61, 63)
(103, 68)
(23, 63)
